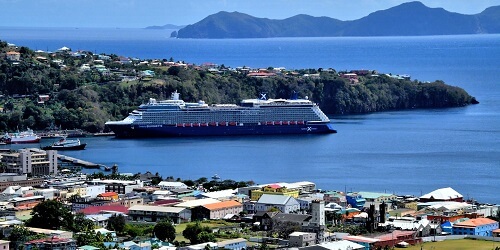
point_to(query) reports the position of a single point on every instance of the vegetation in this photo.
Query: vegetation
(197, 233)
(164, 230)
(86, 99)
(52, 214)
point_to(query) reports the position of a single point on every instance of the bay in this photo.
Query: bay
(403, 152)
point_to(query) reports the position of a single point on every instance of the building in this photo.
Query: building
(170, 185)
(274, 189)
(286, 204)
(442, 194)
(13, 56)
(336, 245)
(51, 243)
(233, 244)
(157, 213)
(4, 244)
(216, 210)
(13, 179)
(118, 186)
(355, 200)
(301, 239)
(31, 161)
(479, 226)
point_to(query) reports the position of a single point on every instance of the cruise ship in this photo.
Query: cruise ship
(260, 116)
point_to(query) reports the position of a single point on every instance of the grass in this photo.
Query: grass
(464, 244)
(211, 224)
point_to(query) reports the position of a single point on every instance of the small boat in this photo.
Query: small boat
(65, 144)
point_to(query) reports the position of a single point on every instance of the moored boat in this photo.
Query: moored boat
(65, 144)
(175, 117)
(27, 136)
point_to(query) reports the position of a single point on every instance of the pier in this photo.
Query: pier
(79, 162)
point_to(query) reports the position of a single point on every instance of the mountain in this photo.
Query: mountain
(166, 27)
(407, 19)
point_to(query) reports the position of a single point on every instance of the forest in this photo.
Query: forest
(87, 98)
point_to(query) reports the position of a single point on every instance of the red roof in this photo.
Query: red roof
(166, 202)
(100, 209)
(108, 194)
(274, 186)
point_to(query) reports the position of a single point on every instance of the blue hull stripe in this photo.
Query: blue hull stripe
(174, 131)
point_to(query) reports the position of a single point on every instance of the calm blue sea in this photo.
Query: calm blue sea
(403, 152)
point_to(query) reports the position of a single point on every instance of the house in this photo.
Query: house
(377, 198)
(109, 196)
(301, 239)
(355, 200)
(51, 243)
(43, 98)
(479, 226)
(233, 244)
(13, 56)
(197, 202)
(442, 194)
(216, 210)
(286, 204)
(366, 242)
(157, 213)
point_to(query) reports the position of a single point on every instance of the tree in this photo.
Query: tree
(116, 223)
(18, 236)
(51, 214)
(193, 230)
(164, 230)
(82, 224)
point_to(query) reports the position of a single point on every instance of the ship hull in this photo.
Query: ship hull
(128, 130)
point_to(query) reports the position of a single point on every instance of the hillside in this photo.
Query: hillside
(80, 90)
(407, 19)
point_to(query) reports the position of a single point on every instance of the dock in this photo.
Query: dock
(79, 162)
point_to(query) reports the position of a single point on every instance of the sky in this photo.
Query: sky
(143, 13)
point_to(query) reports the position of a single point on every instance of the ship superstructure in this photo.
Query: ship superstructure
(175, 117)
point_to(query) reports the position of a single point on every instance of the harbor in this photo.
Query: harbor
(73, 163)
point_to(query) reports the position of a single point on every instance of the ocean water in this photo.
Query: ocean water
(402, 152)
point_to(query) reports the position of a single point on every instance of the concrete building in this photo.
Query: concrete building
(233, 244)
(14, 179)
(31, 161)
(301, 239)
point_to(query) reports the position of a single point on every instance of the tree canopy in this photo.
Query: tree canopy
(51, 214)
(164, 230)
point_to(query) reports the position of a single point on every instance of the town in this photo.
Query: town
(41, 195)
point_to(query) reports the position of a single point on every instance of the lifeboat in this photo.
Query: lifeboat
(293, 122)
(212, 123)
(180, 124)
(204, 124)
(222, 124)
(300, 122)
(269, 123)
(196, 124)
(232, 124)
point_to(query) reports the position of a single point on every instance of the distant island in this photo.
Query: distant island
(407, 19)
(166, 27)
